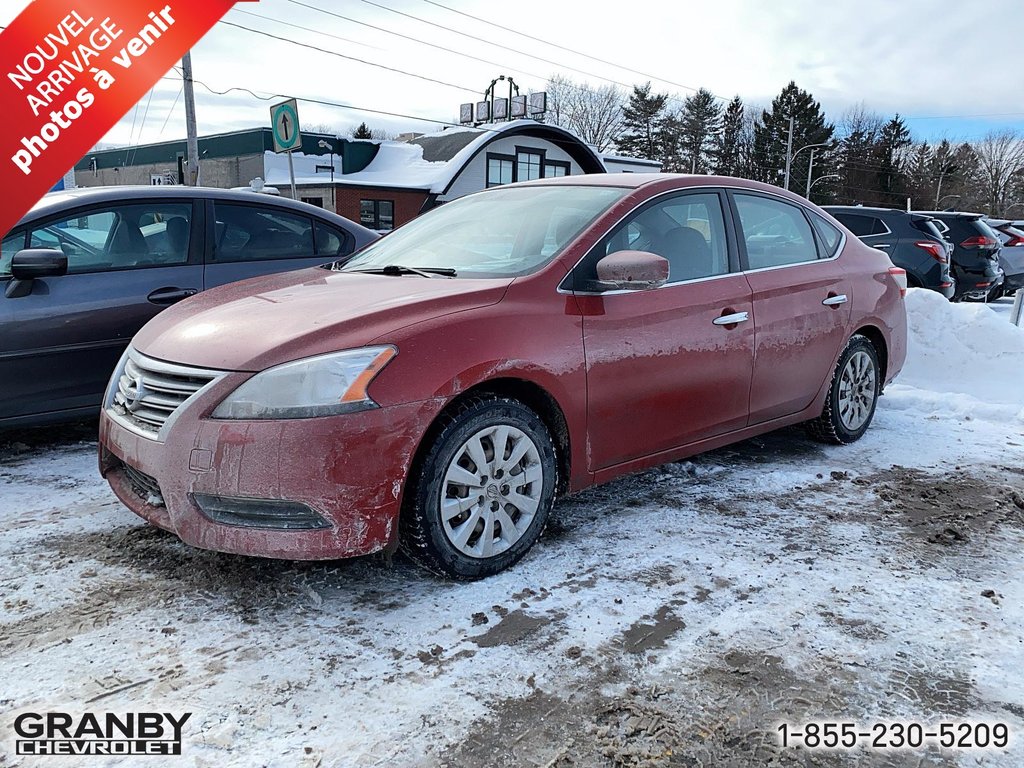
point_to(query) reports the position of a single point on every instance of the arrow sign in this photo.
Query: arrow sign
(284, 120)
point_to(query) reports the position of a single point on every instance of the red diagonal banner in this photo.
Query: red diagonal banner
(70, 69)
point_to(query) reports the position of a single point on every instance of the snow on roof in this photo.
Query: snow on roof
(400, 164)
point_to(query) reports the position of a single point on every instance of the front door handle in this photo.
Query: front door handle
(170, 295)
(835, 300)
(735, 317)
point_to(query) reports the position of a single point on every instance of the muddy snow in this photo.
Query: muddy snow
(672, 618)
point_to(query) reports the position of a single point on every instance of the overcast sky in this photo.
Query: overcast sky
(952, 69)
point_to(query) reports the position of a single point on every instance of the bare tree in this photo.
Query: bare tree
(593, 114)
(1000, 158)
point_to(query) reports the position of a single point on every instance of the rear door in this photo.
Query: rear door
(802, 301)
(248, 240)
(661, 372)
(126, 262)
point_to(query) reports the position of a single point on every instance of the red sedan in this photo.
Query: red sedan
(439, 389)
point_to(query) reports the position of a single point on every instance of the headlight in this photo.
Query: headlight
(316, 386)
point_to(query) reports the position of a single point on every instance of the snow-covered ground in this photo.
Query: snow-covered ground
(676, 617)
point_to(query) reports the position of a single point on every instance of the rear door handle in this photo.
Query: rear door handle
(882, 246)
(735, 317)
(833, 301)
(170, 295)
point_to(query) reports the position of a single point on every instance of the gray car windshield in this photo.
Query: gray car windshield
(498, 233)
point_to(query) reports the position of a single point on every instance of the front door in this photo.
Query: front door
(662, 368)
(126, 262)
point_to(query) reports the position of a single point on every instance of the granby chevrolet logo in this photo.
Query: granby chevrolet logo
(59, 733)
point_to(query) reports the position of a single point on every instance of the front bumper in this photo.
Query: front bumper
(342, 477)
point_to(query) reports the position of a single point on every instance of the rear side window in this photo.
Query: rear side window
(255, 233)
(331, 242)
(830, 236)
(776, 233)
(862, 225)
(120, 237)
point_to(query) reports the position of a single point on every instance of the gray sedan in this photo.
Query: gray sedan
(85, 269)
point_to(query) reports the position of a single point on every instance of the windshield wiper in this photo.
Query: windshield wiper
(396, 270)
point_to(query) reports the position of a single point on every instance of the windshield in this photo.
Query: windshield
(499, 233)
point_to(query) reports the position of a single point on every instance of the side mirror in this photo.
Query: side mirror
(38, 262)
(632, 271)
(31, 263)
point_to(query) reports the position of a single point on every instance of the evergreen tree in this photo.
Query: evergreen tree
(642, 120)
(362, 132)
(890, 156)
(772, 132)
(698, 125)
(729, 142)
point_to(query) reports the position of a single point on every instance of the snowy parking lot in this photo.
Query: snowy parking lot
(675, 617)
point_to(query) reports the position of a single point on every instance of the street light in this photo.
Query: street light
(938, 203)
(330, 147)
(820, 178)
(791, 158)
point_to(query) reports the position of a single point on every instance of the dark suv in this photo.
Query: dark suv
(912, 240)
(976, 249)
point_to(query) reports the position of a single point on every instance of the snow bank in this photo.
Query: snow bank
(962, 358)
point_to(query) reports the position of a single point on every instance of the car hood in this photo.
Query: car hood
(258, 323)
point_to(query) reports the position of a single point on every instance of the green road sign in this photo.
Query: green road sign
(284, 120)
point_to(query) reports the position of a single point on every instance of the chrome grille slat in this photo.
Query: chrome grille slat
(149, 392)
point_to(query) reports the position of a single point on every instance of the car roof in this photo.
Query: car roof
(56, 201)
(667, 180)
(952, 214)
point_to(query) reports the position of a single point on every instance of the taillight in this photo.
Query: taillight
(1014, 240)
(900, 276)
(936, 250)
(979, 241)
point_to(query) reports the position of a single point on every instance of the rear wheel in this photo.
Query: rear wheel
(479, 498)
(852, 395)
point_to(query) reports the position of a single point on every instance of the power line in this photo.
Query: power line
(171, 111)
(569, 50)
(349, 58)
(505, 47)
(304, 29)
(413, 39)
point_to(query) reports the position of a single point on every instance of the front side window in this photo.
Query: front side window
(10, 245)
(688, 230)
(501, 233)
(377, 214)
(500, 170)
(775, 233)
(255, 233)
(120, 237)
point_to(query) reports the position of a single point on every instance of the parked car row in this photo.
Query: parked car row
(85, 269)
(960, 254)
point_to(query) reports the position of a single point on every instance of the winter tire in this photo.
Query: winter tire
(480, 496)
(852, 395)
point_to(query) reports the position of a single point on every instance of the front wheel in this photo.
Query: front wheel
(479, 498)
(852, 395)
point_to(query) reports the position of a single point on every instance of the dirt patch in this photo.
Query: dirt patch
(514, 627)
(652, 632)
(949, 509)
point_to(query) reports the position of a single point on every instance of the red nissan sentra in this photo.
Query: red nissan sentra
(438, 390)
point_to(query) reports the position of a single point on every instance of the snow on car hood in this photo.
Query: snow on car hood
(258, 323)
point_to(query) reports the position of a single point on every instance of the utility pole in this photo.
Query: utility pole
(810, 170)
(192, 149)
(789, 151)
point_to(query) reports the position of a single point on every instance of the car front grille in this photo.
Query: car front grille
(144, 486)
(148, 392)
